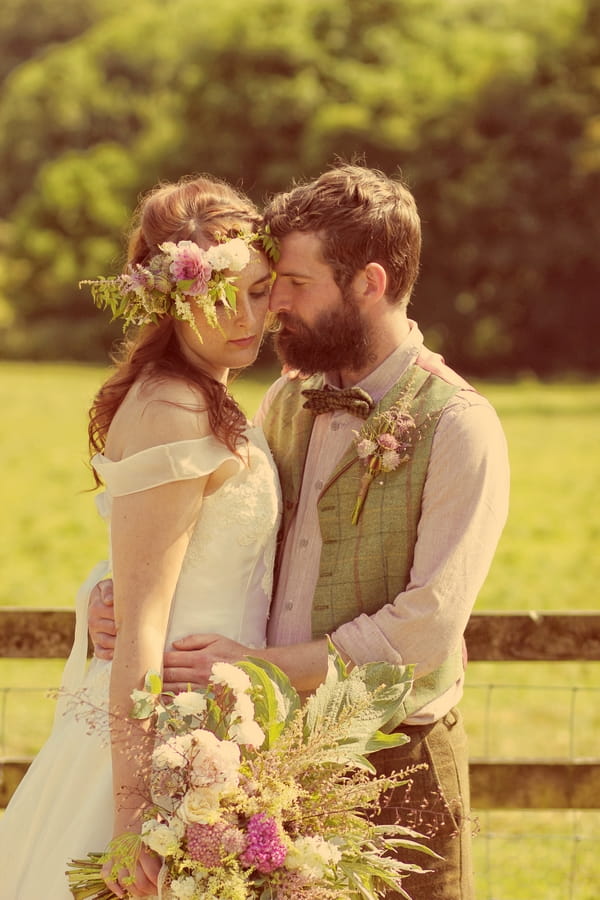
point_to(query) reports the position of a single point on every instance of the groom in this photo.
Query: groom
(398, 581)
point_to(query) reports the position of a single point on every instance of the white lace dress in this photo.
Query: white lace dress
(63, 808)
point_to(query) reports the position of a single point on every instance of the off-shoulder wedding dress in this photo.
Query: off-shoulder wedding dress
(63, 809)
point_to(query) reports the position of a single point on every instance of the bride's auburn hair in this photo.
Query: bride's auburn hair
(200, 209)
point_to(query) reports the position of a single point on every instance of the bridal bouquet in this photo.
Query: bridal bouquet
(258, 797)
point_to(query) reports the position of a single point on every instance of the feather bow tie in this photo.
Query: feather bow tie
(328, 399)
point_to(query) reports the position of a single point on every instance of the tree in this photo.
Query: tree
(510, 265)
(437, 89)
(29, 27)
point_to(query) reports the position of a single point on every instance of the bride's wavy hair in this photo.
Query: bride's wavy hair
(199, 209)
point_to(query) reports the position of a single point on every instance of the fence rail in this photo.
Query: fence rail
(493, 637)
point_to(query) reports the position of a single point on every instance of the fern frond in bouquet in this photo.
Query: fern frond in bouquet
(258, 797)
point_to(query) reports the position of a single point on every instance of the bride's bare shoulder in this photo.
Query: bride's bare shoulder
(158, 411)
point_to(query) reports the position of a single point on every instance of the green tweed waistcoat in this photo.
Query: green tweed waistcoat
(364, 566)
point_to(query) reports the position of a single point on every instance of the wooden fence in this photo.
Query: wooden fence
(493, 637)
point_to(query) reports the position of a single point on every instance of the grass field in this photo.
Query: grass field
(547, 560)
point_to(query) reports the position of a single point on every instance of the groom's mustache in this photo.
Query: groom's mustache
(290, 323)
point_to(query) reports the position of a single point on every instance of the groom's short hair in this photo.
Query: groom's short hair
(361, 216)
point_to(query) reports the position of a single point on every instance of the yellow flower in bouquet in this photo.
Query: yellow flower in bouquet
(258, 797)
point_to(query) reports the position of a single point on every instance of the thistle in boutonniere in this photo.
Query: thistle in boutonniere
(383, 444)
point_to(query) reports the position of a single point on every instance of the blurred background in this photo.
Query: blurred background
(490, 111)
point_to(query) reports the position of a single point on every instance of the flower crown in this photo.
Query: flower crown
(180, 274)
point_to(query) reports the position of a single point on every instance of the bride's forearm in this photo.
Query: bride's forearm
(132, 742)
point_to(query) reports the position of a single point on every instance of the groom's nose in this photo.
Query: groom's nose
(279, 298)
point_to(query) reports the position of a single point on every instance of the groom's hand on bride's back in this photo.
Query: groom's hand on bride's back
(101, 619)
(188, 662)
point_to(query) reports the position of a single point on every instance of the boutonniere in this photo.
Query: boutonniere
(382, 445)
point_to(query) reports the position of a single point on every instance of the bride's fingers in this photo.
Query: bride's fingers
(146, 877)
(111, 884)
(151, 864)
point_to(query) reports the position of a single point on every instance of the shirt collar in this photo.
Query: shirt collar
(382, 379)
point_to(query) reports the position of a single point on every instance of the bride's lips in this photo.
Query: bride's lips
(244, 342)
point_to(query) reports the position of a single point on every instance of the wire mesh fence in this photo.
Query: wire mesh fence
(536, 854)
(519, 854)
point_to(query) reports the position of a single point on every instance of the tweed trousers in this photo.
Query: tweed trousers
(436, 804)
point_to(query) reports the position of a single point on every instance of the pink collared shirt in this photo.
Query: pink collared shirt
(465, 505)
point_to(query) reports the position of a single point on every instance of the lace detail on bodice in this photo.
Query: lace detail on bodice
(226, 577)
(242, 511)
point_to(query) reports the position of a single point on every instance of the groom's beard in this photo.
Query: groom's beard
(340, 339)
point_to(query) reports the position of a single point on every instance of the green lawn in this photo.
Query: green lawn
(547, 560)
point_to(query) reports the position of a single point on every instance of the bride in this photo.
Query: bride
(192, 504)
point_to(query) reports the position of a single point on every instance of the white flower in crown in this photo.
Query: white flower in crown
(183, 311)
(233, 255)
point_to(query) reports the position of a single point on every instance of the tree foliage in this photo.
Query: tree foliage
(490, 111)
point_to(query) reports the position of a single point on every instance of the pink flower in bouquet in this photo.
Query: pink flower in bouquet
(211, 844)
(264, 848)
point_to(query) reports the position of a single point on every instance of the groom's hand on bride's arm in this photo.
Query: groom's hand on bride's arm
(190, 661)
(101, 619)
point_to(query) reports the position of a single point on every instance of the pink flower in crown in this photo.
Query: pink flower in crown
(188, 263)
(138, 280)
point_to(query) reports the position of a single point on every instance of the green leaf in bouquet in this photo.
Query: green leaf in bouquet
(153, 682)
(275, 700)
(401, 837)
(142, 708)
(337, 669)
(382, 740)
(353, 707)
(144, 702)
(214, 718)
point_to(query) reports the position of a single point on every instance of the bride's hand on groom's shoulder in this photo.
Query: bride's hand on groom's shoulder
(101, 619)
